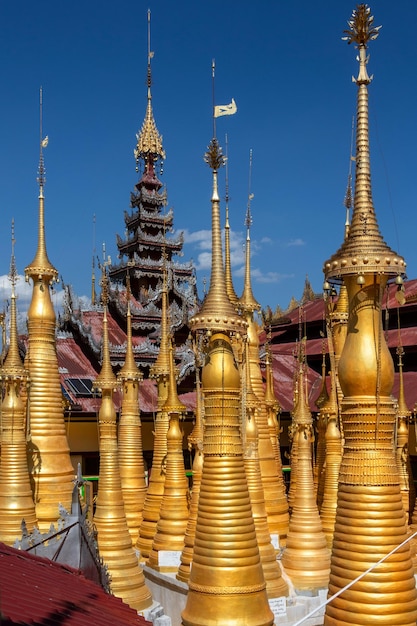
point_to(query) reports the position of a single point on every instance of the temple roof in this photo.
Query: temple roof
(35, 590)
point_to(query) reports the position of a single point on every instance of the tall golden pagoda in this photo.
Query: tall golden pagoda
(370, 520)
(114, 542)
(276, 504)
(226, 583)
(174, 510)
(132, 467)
(306, 558)
(50, 463)
(16, 498)
(273, 410)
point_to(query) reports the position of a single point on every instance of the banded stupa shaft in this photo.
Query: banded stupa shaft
(306, 558)
(114, 541)
(16, 499)
(226, 583)
(174, 510)
(155, 492)
(48, 449)
(370, 520)
(132, 467)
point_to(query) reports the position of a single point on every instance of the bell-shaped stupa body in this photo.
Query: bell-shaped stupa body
(132, 467)
(370, 521)
(114, 540)
(16, 498)
(50, 464)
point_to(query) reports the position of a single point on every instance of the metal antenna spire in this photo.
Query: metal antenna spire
(150, 55)
(348, 201)
(43, 142)
(13, 272)
(248, 219)
(213, 68)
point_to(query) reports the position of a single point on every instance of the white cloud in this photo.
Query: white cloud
(258, 276)
(295, 242)
(23, 292)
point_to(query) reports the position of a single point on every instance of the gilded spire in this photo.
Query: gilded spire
(227, 263)
(149, 141)
(41, 266)
(364, 251)
(247, 300)
(16, 498)
(217, 312)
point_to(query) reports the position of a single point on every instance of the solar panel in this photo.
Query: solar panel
(80, 386)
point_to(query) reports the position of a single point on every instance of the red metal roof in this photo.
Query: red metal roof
(35, 590)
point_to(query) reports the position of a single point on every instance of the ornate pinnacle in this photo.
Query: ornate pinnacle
(361, 29)
(214, 156)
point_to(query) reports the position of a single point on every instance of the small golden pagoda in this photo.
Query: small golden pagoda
(276, 504)
(50, 463)
(275, 585)
(132, 467)
(333, 441)
(306, 558)
(156, 483)
(402, 435)
(273, 409)
(16, 498)
(370, 521)
(114, 541)
(195, 439)
(174, 510)
(226, 583)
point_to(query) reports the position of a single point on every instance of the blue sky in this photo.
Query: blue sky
(289, 72)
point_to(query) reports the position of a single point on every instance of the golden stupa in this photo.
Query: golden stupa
(132, 467)
(370, 520)
(174, 509)
(50, 464)
(226, 582)
(16, 498)
(114, 541)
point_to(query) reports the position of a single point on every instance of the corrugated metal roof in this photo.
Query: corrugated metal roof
(35, 590)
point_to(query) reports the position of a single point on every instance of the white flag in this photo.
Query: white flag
(45, 141)
(225, 109)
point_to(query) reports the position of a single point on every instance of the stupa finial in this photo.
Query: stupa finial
(247, 301)
(149, 142)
